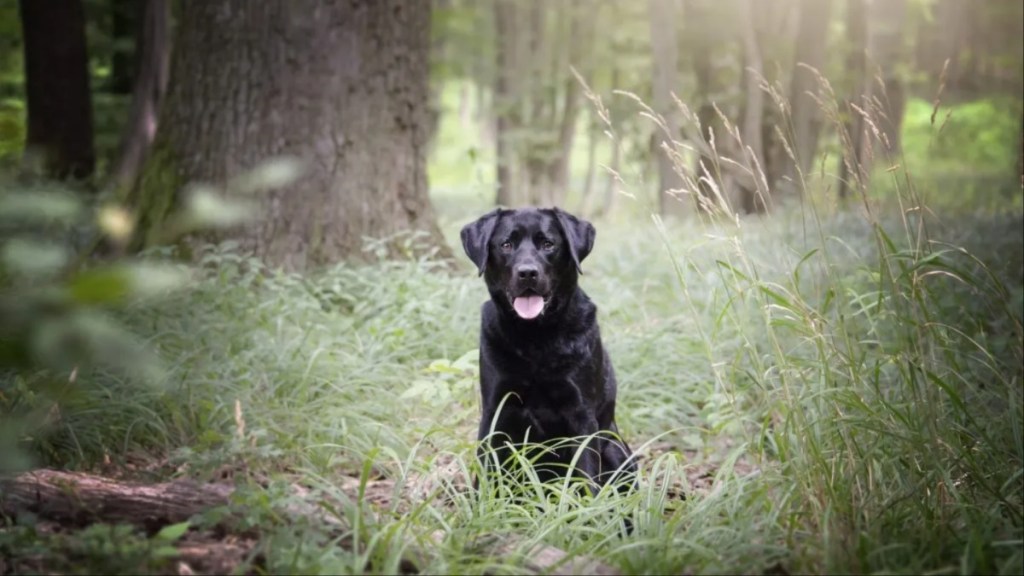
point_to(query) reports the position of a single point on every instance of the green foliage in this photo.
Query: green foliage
(96, 549)
(59, 331)
(978, 137)
(845, 399)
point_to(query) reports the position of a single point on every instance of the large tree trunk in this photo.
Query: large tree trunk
(154, 48)
(806, 115)
(662, 15)
(340, 85)
(60, 133)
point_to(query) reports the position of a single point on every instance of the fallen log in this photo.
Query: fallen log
(79, 499)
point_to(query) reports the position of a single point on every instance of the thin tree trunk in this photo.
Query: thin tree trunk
(809, 61)
(154, 47)
(698, 25)
(615, 165)
(57, 94)
(504, 18)
(662, 14)
(587, 195)
(581, 29)
(753, 200)
(534, 158)
(885, 46)
(853, 168)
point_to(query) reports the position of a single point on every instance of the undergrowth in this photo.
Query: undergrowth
(833, 389)
(829, 396)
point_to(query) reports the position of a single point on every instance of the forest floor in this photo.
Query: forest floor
(809, 393)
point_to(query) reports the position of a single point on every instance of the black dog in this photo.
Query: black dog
(540, 348)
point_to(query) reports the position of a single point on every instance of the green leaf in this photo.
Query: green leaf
(100, 285)
(111, 284)
(172, 532)
(38, 206)
(147, 280)
(33, 258)
(468, 360)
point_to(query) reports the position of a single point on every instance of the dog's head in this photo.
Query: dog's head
(530, 258)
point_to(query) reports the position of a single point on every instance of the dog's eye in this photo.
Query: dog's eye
(506, 246)
(547, 245)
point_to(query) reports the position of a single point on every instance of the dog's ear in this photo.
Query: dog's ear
(579, 235)
(476, 236)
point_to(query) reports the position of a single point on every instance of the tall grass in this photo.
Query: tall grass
(827, 390)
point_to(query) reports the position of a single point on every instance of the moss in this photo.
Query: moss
(155, 196)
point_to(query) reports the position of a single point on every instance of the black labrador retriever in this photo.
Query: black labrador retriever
(544, 375)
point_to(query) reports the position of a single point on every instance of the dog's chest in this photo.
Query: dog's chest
(542, 358)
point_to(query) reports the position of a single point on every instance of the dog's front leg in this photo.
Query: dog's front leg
(588, 466)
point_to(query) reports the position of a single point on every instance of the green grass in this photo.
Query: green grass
(834, 390)
(833, 396)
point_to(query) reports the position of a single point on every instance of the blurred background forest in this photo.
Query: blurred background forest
(530, 103)
(230, 255)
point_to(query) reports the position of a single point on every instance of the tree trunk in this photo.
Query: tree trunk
(662, 15)
(60, 132)
(504, 24)
(79, 499)
(342, 86)
(885, 46)
(154, 48)
(581, 30)
(587, 194)
(700, 34)
(853, 168)
(615, 165)
(753, 199)
(82, 499)
(535, 149)
(806, 113)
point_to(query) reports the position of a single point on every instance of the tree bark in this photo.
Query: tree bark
(662, 15)
(581, 28)
(81, 499)
(853, 168)
(504, 24)
(615, 165)
(885, 46)
(587, 194)
(753, 199)
(342, 86)
(806, 113)
(154, 48)
(700, 34)
(59, 103)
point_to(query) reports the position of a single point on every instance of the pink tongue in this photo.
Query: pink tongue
(528, 307)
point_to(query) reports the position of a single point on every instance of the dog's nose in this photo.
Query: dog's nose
(527, 272)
